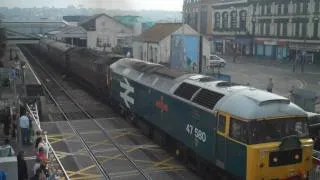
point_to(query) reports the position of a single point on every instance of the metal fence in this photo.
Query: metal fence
(55, 167)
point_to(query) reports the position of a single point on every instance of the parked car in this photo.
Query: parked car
(216, 61)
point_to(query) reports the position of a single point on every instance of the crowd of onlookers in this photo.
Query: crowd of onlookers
(40, 168)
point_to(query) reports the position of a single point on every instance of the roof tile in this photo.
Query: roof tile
(158, 32)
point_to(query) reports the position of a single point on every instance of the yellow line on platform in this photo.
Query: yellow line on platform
(162, 162)
(107, 159)
(104, 142)
(86, 175)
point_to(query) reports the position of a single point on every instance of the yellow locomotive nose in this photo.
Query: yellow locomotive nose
(267, 162)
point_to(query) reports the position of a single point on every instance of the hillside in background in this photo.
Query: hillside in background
(25, 14)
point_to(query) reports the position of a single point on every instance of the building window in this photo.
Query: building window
(278, 29)
(196, 20)
(315, 29)
(285, 29)
(217, 20)
(225, 20)
(304, 29)
(254, 9)
(297, 29)
(243, 19)
(305, 8)
(298, 7)
(316, 10)
(279, 9)
(155, 55)
(233, 19)
(268, 29)
(262, 9)
(261, 28)
(253, 28)
(269, 9)
(285, 9)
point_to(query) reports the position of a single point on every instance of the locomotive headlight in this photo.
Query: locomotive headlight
(296, 157)
(275, 159)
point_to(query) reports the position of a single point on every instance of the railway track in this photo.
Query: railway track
(54, 89)
(85, 118)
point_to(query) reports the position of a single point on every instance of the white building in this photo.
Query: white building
(99, 32)
(104, 33)
(154, 45)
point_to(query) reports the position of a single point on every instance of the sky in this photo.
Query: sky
(172, 5)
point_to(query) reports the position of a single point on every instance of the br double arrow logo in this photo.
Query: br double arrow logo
(127, 90)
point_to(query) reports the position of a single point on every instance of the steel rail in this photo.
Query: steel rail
(141, 171)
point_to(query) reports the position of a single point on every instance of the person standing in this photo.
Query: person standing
(22, 167)
(7, 122)
(24, 125)
(270, 85)
(295, 62)
(14, 123)
(303, 61)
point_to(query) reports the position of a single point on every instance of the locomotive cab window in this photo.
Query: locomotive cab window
(222, 124)
(239, 130)
(273, 130)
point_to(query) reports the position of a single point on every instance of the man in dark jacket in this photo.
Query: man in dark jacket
(22, 167)
(7, 121)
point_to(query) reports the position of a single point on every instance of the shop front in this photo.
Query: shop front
(222, 44)
(217, 45)
(243, 45)
(310, 51)
(282, 51)
(277, 50)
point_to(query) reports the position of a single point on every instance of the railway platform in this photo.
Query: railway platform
(14, 85)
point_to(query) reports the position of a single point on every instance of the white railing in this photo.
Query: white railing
(51, 154)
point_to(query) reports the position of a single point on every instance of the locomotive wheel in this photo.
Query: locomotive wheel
(132, 118)
(201, 169)
(180, 152)
(122, 112)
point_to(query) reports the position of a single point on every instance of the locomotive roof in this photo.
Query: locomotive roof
(147, 67)
(240, 101)
(255, 104)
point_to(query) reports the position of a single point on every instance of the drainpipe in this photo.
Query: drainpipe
(147, 51)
